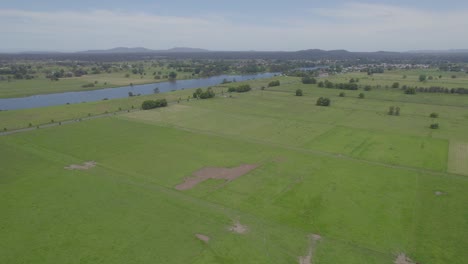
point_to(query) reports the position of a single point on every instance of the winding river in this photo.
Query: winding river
(120, 92)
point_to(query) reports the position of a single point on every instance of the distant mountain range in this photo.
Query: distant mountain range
(142, 50)
(440, 51)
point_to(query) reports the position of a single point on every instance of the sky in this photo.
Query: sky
(52, 25)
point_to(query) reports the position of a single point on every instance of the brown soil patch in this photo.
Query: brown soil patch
(86, 166)
(204, 174)
(203, 238)
(314, 238)
(238, 228)
(403, 259)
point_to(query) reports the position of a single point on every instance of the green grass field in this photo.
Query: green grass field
(370, 184)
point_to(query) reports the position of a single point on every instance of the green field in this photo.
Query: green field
(370, 184)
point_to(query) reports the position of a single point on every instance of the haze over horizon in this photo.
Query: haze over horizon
(262, 26)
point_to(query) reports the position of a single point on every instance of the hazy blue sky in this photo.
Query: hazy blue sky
(233, 25)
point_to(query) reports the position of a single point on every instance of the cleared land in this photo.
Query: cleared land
(374, 187)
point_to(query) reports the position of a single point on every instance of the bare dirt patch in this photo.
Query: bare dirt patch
(314, 238)
(85, 166)
(203, 238)
(238, 228)
(403, 259)
(439, 193)
(204, 174)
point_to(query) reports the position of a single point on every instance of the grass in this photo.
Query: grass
(458, 157)
(365, 181)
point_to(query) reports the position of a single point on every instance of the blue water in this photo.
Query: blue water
(119, 92)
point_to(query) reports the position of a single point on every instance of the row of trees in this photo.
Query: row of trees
(240, 89)
(150, 104)
(342, 86)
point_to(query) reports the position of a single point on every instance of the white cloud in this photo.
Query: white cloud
(354, 26)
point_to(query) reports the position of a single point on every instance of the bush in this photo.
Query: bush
(422, 78)
(410, 91)
(274, 83)
(150, 104)
(361, 96)
(434, 115)
(240, 89)
(395, 85)
(367, 88)
(298, 92)
(342, 94)
(309, 80)
(322, 101)
(434, 126)
(207, 94)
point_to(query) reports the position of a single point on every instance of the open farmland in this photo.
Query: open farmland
(266, 176)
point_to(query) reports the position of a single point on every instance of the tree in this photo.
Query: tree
(322, 101)
(156, 90)
(391, 110)
(274, 83)
(197, 93)
(397, 111)
(361, 96)
(321, 84)
(298, 92)
(172, 75)
(342, 94)
(434, 126)
(422, 77)
(434, 115)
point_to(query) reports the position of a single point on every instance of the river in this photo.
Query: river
(120, 92)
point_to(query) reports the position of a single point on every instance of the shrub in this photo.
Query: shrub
(434, 115)
(150, 104)
(361, 96)
(434, 126)
(274, 83)
(322, 101)
(207, 94)
(298, 92)
(396, 85)
(422, 77)
(410, 91)
(367, 88)
(391, 110)
(342, 94)
(240, 89)
(308, 80)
